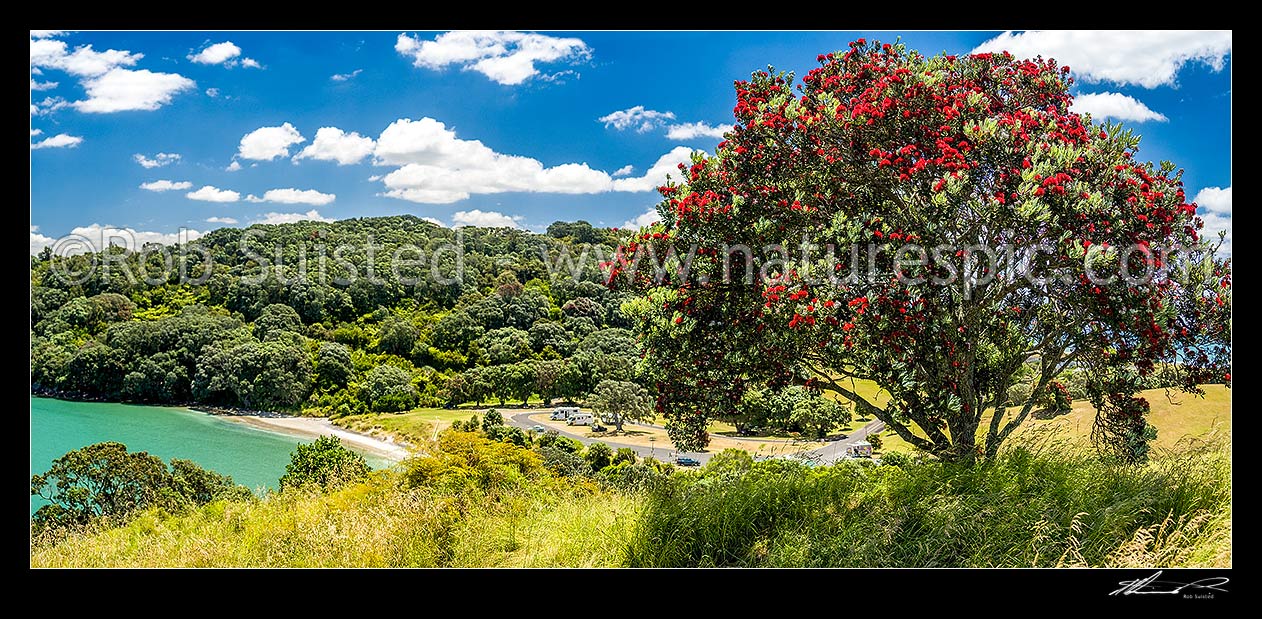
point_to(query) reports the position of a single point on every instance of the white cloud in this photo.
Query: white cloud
(110, 87)
(221, 220)
(35, 132)
(39, 242)
(60, 140)
(485, 219)
(505, 57)
(435, 221)
(267, 143)
(690, 131)
(251, 63)
(233, 167)
(212, 92)
(1215, 206)
(1147, 58)
(165, 185)
(158, 160)
(656, 175)
(342, 77)
(1115, 105)
(293, 196)
(637, 117)
(122, 90)
(43, 85)
(1214, 200)
(624, 170)
(82, 62)
(643, 219)
(95, 236)
(439, 168)
(44, 34)
(209, 193)
(333, 144)
(289, 218)
(218, 53)
(48, 105)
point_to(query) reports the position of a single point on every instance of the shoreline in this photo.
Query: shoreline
(270, 421)
(315, 427)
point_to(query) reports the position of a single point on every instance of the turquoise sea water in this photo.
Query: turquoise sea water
(253, 457)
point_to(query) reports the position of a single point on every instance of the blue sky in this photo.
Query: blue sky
(505, 128)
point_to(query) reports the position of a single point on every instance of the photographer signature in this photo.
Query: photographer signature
(1150, 585)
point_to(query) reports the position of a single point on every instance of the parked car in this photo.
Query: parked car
(537, 428)
(579, 419)
(686, 461)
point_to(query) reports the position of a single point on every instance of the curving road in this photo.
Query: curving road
(827, 454)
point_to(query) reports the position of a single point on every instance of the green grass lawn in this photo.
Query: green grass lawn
(415, 425)
(1177, 417)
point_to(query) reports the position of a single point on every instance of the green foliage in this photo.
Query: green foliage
(236, 339)
(104, 484)
(818, 414)
(929, 167)
(275, 320)
(598, 456)
(324, 464)
(624, 455)
(333, 365)
(273, 374)
(727, 464)
(397, 336)
(622, 401)
(875, 439)
(492, 419)
(553, 439)
(564, 462)
(1044, 507)
(634, 477)
(388, 389)
(467, 461)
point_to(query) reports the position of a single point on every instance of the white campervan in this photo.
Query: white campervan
(579, 419)
(563, 412)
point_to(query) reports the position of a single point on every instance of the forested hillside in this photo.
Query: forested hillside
(333, 318)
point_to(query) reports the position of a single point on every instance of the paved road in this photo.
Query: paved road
(827, 454)
(836, 450)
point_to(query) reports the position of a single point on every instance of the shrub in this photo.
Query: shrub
(467, 461)
(598, 456)
(875, 439)
(552, 438)
(323, 464)
(563, 462)
(104, 484)
(491, 419)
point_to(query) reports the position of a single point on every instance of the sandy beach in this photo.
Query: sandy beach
(314, 427)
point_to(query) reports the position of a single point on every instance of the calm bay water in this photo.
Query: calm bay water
(253, 457)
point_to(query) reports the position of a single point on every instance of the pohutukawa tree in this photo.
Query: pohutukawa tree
(979, 231)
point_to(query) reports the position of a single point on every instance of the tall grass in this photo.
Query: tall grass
(1033, 506)
(479, 503)
(475, 503)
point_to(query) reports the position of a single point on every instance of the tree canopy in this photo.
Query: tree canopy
(935, 225)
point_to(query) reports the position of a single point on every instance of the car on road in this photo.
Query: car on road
(537, 428)
(686, 461)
